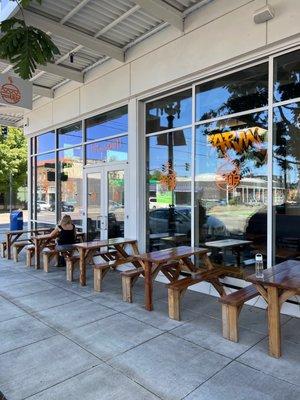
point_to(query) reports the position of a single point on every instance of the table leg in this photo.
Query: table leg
(148, 286)
(36, 254)
(8, 244)
(274, 322)
(82, 267)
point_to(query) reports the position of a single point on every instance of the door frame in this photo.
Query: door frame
(103, 170)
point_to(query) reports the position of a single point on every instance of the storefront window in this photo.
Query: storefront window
(237, 92)
(107, 150)
(287, 76)
(286, 181)
(111, 123)
(45, 142)
(45, 187)
(231, 186)
(169, 189)
(70, 169)
(170, 112)
(69, 135)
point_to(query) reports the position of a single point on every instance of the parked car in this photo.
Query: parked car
(67, 207)
(159, 222)
(44, 205)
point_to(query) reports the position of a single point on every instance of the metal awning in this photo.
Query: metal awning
(94, 31)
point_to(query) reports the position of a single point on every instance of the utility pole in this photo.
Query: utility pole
(10, 192)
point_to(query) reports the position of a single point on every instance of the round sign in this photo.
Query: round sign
(10, 92)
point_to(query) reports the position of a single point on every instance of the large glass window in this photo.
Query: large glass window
(115, 149)
(45, 187)
(111, 123)
(287, 76)
(237, 92)
(170, 112)
(286, 181)
(70, 135)
(70, 168)
(169, 189)
(231, 187)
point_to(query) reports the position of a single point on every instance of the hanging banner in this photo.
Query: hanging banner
(15, 91)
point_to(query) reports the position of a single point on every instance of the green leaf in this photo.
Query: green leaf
(25, 47)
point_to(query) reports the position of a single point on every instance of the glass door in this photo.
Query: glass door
(105, 202)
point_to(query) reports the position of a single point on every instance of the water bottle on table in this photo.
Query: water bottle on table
(259, 266)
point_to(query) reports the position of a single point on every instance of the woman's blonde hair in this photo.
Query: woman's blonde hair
(66, 220)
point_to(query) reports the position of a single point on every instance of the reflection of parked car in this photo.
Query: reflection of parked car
(44, 206)
(66, 207)
(159, 222)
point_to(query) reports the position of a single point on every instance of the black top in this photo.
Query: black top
(66, 236)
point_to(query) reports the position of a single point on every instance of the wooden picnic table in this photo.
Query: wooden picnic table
(40, 242)
(235, 244)
(13, 236)
(170, 262)
(277, 285)
(88, 249)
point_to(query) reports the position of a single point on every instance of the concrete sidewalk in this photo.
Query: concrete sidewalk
(60, 341)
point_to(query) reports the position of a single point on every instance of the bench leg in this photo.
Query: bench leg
(29, 255)
(69, 269)
(15, 254)
(98, 278)
(230, 321)
(2, 249)
(127, 285)
(174, 298)
(46, 261)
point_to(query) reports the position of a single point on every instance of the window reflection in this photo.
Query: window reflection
(69, 135)
(286, 181)
(111, 123)
(45, 142)
(169, 189)
(45, 187)
(70, 176)
(237, 92)
(287, 76)
(231, 186)
(107, 150)
(170, 112)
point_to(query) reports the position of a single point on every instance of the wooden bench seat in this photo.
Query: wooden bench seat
(49, 253)
(100, 270)
(3, 249)
(177, 289)
(17, 247)
(232, 305)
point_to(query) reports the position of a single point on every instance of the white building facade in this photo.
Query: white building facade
(193, 138)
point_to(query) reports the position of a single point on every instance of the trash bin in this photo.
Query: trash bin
(16, 220)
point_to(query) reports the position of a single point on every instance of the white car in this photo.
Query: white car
(43, 205)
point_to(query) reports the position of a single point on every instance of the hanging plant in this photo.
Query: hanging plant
(25, 46)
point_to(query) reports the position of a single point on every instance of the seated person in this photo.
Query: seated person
(65, 234)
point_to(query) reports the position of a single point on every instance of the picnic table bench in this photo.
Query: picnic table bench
(171, 262)
(276, 286)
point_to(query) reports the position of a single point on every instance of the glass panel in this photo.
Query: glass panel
(33, 191)
(231, 188)
(93, 211)
(116, 204)
(45, 142)
(286, 181)
(70, 167)
(107, 150)
(111, 123)
(69, 135)
(241, 91)
(170, 112)
(287, 76)
(169, 189)
(45, 187)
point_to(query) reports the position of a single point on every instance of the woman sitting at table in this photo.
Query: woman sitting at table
(65, 234)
